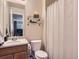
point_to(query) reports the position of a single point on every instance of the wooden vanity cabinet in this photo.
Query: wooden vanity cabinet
(17, 52)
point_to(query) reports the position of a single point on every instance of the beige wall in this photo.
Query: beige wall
(32, 6)
(1, 16)
(6, 16)
(33, 31)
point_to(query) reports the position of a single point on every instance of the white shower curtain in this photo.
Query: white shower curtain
(55, 18)
(61, 29)
(52, 30)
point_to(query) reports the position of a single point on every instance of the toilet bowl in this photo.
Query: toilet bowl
(39, 54)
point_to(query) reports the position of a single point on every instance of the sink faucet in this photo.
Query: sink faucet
(14, 39)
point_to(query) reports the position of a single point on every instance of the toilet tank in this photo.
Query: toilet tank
(36, 45)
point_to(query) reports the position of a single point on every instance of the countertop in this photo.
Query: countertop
(17, 42)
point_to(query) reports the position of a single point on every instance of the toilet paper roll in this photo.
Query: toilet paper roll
(29, 49)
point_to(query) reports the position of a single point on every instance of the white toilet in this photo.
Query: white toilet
(39, 54)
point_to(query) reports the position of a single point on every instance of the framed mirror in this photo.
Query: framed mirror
(16, 21)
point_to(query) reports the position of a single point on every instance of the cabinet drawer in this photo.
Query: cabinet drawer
(12, 50)
(21, 55)
(7, 57)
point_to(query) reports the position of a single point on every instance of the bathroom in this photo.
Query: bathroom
(48, 26)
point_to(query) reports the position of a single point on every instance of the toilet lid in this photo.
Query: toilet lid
(41, 54)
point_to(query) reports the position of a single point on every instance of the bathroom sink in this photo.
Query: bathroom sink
(16, 42)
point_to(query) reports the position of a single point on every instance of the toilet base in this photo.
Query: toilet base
(40, 58)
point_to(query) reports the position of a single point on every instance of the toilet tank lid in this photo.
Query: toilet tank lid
(41, 54)
(36, 41)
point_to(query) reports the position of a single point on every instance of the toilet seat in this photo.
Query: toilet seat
(41, 54)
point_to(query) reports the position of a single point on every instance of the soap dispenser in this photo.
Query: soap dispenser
(6, 36)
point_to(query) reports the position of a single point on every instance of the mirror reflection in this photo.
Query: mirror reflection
(16, 26)
(16, 21)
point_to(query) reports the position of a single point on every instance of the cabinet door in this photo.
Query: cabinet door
(7, 57)
(21, 55)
